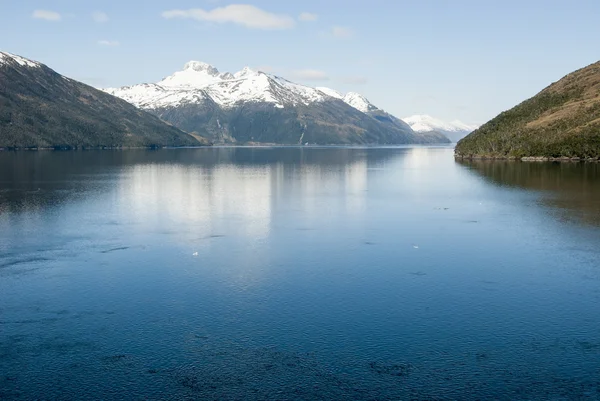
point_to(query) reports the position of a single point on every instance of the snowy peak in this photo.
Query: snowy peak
(359, 102)
(195, 74)
(200, 66)
(353, 99)
(8, 58)
(426, 123)
(199, 82)
(199, 75)
(245, 72)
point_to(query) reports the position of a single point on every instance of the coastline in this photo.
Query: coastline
(529, 158)
(77, 148)
(223, 145)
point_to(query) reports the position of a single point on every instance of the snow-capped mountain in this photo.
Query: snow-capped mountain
(455, 130)
(252, 106)
(200, 81)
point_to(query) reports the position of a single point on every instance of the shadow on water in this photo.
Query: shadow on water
(570, 189)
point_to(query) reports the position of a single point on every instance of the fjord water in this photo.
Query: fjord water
(297, 273)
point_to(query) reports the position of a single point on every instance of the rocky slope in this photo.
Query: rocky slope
(455, 130)
(255, 107)
(40, 108)
(562, 121)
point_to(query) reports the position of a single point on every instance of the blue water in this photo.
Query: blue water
(297, 273)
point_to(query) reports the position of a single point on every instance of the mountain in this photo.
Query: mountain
(254, 107)
(454, 130)
(562, 121)
(40, 108)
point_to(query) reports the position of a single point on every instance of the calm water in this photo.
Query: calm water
(360, 274)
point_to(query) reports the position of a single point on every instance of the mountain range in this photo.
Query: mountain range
(253, 107)
(455, 130)
(40, 108)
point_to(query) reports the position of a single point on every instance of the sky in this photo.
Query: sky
(463, 60)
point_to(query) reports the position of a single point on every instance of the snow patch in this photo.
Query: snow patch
(5, 58)
(353, 99)
(330, 92)
(359, 102)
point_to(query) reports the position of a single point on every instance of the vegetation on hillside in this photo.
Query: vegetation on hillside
(561, 121)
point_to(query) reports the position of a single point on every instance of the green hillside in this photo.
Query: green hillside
(561, 121)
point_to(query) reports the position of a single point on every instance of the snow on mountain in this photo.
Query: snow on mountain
(244, 73)
(353, 99)
(454, 130)
(330, 92)
(8, 57)
(359, 102)
(195, 74)
(199, 82)
(425, 123)
(255, 107)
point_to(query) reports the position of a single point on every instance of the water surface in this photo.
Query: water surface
(297, 273)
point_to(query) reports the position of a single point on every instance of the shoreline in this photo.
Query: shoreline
(530, 158)
(264, 145)
(77, 148)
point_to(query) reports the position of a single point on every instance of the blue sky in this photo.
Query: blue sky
(462, 59)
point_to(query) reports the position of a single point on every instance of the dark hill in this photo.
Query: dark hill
(40, 108)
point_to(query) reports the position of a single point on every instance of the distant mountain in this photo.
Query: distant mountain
(254, 107)
(40, 108)
(562, 120)
(454, 130)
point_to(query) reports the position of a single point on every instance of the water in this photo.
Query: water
(332, 273)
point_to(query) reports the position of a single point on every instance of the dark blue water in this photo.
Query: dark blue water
(290, 273)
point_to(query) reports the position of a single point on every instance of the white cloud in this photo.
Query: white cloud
(310, 75)
(308, 17)
(111, 43)
(99, 16)
(46, 15)
(354, 80)
(240, 14)
(342, 32)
